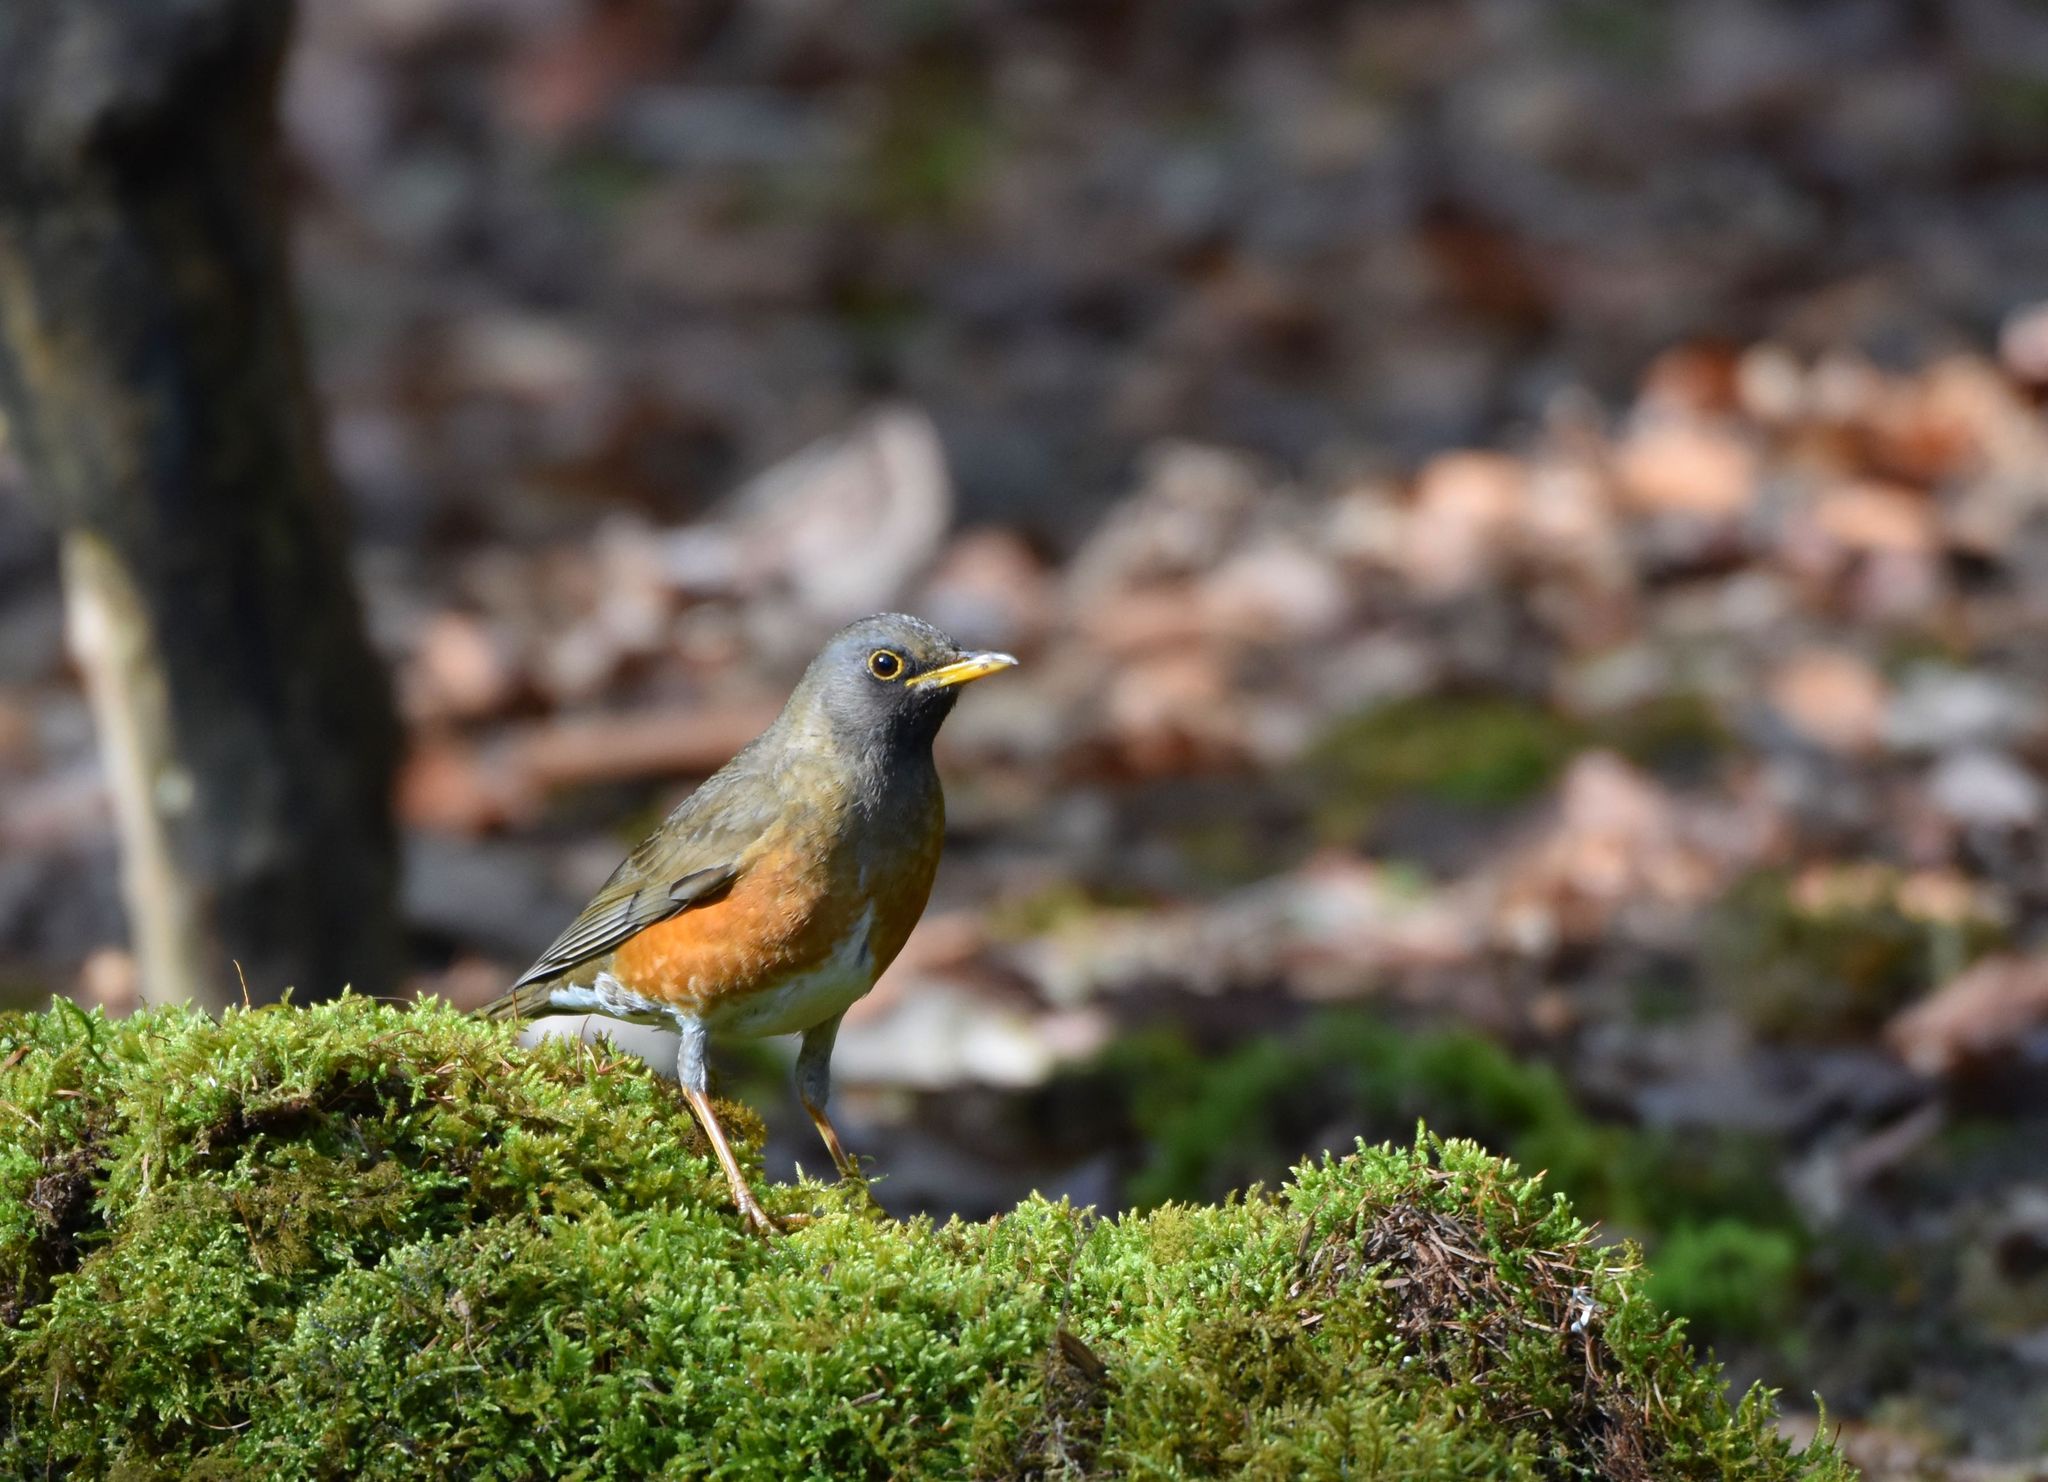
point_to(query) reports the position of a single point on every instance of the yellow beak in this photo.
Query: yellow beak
(963, 670)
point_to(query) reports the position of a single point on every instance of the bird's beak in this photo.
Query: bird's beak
(963, 669)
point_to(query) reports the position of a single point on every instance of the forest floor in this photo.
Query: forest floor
(1512, 636)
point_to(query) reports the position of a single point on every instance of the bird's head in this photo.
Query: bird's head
(884, 684)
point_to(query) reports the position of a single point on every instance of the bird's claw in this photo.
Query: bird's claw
(759, 1221)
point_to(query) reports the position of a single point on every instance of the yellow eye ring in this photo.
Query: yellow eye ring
(885, 664)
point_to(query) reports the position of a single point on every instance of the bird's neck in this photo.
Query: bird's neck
(884, 775)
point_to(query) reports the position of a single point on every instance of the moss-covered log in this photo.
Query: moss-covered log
(361, 1241)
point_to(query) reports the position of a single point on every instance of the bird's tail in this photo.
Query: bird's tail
(523, 1002)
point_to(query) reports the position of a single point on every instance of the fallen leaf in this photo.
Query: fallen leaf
(1460, 529)
(1687, 466)
(1832, 698)
(1983, 1013)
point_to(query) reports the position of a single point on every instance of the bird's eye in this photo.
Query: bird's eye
(885, 664)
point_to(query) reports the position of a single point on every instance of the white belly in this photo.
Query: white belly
(805, 999)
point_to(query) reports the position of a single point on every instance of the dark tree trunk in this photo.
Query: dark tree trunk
(155, 389)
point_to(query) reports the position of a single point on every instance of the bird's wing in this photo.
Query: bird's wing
(630, 902)
(693, 858)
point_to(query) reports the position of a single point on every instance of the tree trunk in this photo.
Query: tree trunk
(155, 388)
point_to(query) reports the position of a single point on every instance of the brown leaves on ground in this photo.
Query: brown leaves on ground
(1988, 1013)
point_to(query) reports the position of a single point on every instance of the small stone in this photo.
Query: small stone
(2023, 343)
(1985, 789)
(1276, 591)
(1938, 708)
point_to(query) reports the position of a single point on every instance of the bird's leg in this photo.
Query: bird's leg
(814, 1085)
(693, 1074)
(752, 1214)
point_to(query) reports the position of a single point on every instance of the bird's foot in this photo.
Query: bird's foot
(852, 1178)
(844, 1162)
(759, 1221)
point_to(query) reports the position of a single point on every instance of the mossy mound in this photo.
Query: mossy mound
(1727, 1246)
(361, 1241)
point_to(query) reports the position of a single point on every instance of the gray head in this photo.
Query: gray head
(884, 684)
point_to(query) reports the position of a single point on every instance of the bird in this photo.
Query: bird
(774, 895)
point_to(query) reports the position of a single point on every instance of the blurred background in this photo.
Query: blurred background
(1526, 524)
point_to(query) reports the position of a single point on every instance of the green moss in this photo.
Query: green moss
(361, 1241)
(1057, 907)
(933, 146)
(1216, 1124)
(1832, 955)
(1624, 31)
(1731, 1275)
(2012, 106)
(1224, 853)
(1475, 751)
(1680, 734)
(598, 183)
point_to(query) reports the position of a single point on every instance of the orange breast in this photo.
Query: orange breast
(793, 908)
(781, 916)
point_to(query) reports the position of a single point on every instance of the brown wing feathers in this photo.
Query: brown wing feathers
(620, 913)
(625, 907)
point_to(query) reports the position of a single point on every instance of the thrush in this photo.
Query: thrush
(776, 893)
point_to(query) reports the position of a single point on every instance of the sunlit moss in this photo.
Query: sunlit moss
(1474, 751)
(359, 1241)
